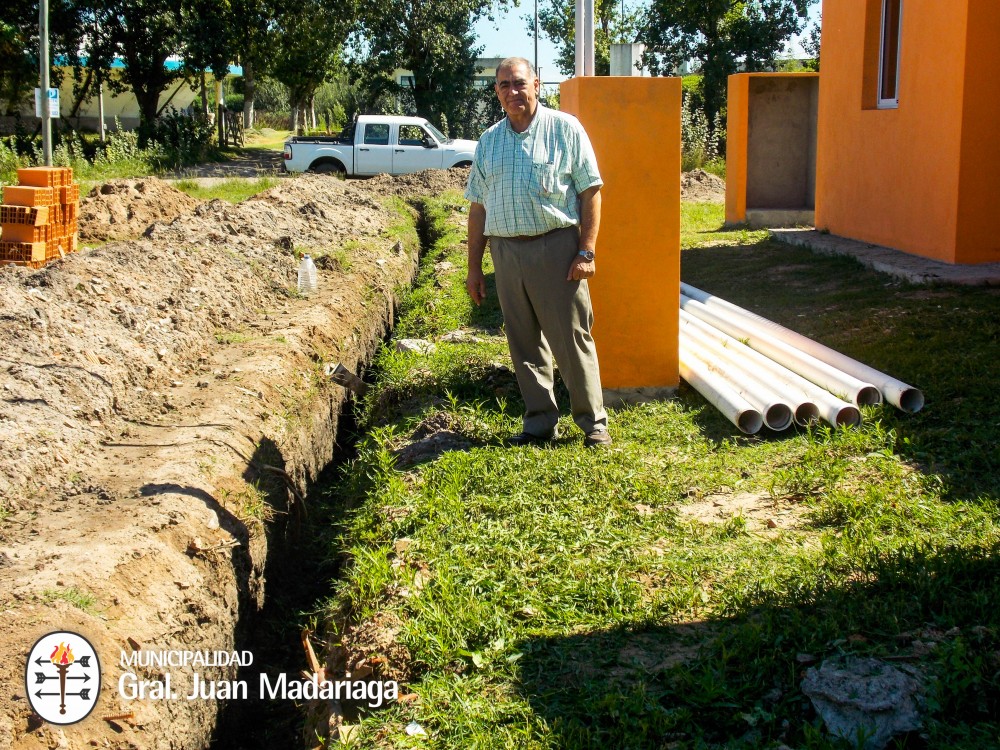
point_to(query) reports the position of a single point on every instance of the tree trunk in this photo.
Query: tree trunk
(423, 99)
(84, 93)
(312, 111)
(249, 91)
(149, 101)
(204, 96)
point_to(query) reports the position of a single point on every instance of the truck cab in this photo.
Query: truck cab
(379, 144)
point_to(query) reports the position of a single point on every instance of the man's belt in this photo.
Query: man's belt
(530, 237)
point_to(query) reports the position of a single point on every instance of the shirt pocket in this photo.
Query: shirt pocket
(545, 179)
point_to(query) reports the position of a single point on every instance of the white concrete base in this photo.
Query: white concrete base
(781, 217)
(913, 268)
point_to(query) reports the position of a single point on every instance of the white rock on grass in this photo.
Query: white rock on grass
(862, 694)
(419, 346)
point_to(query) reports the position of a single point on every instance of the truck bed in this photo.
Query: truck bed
(342, 140)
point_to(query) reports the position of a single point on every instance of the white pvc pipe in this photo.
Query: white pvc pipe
(837, 382)
(812, 402)
(896, 392)
(588, 36)
(719, 393)
(745, 360)
(580, 37)
(776, 412)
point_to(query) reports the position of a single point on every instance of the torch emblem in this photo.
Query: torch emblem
(63, 677)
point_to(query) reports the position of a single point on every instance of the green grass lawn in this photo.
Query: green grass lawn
(672, 591)
(266, 138)
(234, 190)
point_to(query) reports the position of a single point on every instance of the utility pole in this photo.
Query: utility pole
(43, 64)
(536, 37)
(100, 83)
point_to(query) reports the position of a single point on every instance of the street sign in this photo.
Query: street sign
(53, 102)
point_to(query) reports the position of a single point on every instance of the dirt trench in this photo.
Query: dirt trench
(163, 411)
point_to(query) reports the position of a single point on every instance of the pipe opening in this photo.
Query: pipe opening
(911, 400)
(806, 413)
(869, 396)
(750, 422)
(778, 417)
(848, 417)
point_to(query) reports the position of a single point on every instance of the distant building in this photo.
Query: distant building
(178, 95)
(483, 79)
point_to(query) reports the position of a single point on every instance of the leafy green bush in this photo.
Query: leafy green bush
(273, 120)
(121, 145)
(184, 140)
(10, 160)
(119, 156)
(699, 139)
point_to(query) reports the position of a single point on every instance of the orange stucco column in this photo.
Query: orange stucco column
(634, 125)
(737, 142)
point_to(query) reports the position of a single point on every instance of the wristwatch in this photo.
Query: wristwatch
(588, 254)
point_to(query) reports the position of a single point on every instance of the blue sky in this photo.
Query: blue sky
(509, 35)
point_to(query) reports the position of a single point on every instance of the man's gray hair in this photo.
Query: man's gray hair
(510, 62)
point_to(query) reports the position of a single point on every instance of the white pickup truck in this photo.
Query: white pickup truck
(377, 144)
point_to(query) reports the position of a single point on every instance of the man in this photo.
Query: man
(534, 189)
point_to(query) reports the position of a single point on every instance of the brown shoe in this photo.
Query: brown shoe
(597, 439)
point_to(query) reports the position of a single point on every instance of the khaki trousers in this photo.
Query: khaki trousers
(545, 315)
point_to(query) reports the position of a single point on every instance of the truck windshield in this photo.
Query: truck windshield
(437, 133)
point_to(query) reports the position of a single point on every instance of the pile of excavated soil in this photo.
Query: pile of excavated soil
(155, 392)
(120, 209)
(428, 182)
(700, 186)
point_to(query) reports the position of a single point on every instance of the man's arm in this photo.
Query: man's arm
(475, 282)
(590, 224)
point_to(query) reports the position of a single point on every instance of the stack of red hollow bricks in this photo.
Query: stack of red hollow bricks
(38, 216)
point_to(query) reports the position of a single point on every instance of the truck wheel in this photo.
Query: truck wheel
(464, 164)
(329, 167)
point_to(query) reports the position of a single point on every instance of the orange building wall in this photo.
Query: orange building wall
(770, 155)
(737, 141)
(891, 177)
(634, 125)
(979, 173)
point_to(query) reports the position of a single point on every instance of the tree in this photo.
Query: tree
(205, 31)
(143, 33)
(251, 34)
(19, 49)
(17, 73)
(309, 36)
(615, 23)
(434, 40)
(725, 36)
(811, 44)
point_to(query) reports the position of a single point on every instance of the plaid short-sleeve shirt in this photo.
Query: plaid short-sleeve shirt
(529, 182)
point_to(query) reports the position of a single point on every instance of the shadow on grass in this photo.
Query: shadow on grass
(943, 340)
(735, 682)
(488, 316)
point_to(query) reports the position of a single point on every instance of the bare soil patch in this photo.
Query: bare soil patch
(249, 162)
(430, 181)
(699, 186)
(760, 511)
(163, 410)
(121, 209)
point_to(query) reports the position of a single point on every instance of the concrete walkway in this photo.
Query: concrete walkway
(912, 268)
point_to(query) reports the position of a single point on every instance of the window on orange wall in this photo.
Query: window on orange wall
(888, 85)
